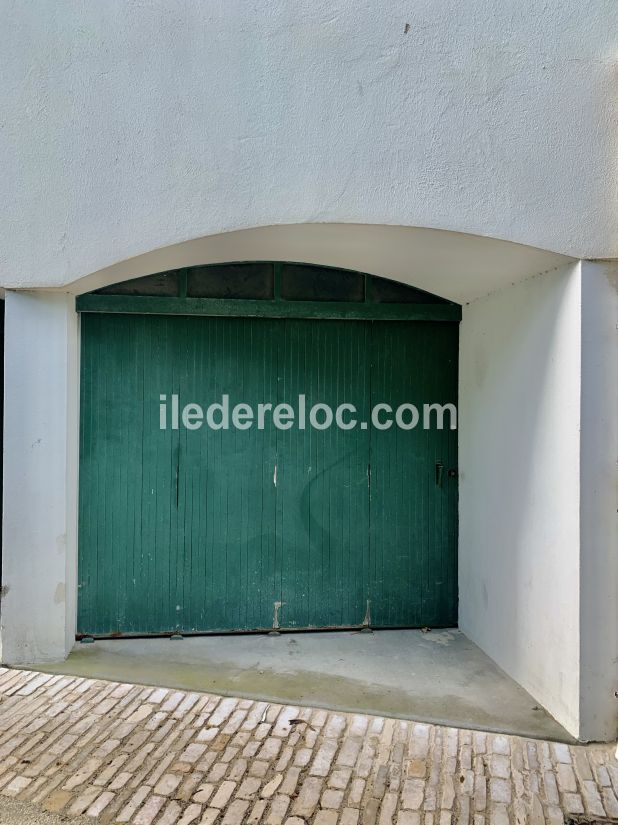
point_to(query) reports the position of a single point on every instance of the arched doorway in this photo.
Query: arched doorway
(215, 493)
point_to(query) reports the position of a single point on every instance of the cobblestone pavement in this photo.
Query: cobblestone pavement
(127, 753)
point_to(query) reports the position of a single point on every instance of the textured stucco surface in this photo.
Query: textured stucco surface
(39, 527)
(129, 126)
(599, 500)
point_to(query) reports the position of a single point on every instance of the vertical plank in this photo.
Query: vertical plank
(413, 520)
(322, 491)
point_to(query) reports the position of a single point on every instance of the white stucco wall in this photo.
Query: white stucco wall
(39, 560)
(519, 423)
(131, 126)
(599, 500)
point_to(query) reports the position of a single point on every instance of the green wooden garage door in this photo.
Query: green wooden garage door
(217, 530)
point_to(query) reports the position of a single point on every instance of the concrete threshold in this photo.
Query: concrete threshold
(439, 676)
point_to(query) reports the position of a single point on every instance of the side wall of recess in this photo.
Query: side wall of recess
(599, 501)
(39, 563)
(519, 484)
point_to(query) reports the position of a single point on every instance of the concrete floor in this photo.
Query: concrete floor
(439, 676)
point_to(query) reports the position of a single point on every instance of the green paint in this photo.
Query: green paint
(155, 305)
(186, 531)
(413, 576)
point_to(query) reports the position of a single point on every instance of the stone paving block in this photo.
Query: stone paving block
(408, 818)
(555, 816)
(257, 812)
(307, 800)
(223, 794)
(349, 816)
(499, 815)
(573, 803)
(83, 801)
(465, 807)
(500, 790)
(235, 814)
(303, 757)
(613, 774)
(249, 788)
(149, 810)
(592, 798)
(278, 809)
(272, 786)
(167, 784)
(192, 753)
(562, 752)
(413, 793)
(331, 799)
(326, 818)
(387, 809)
(285, 758)
(339, 778)
(370, 811)
(416, 768)
(335, 725)
(323, 759)
(566, 778)
(609, 801)
(56, 801)
(480, 793)
(133, 804)
(270, 749)
(348, 754)
(500, 766)
(282, 726)
(100, 804)
(16, 786)
(171, 814)
(121, 780)
(259, 767)
(431, 797)
(217, 772)
(500, 744)
(551, 788)
(290, 781)
(356, 792)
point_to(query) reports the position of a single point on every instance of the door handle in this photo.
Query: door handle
(439, 473)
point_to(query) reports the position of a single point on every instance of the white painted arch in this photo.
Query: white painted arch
(454, 265)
